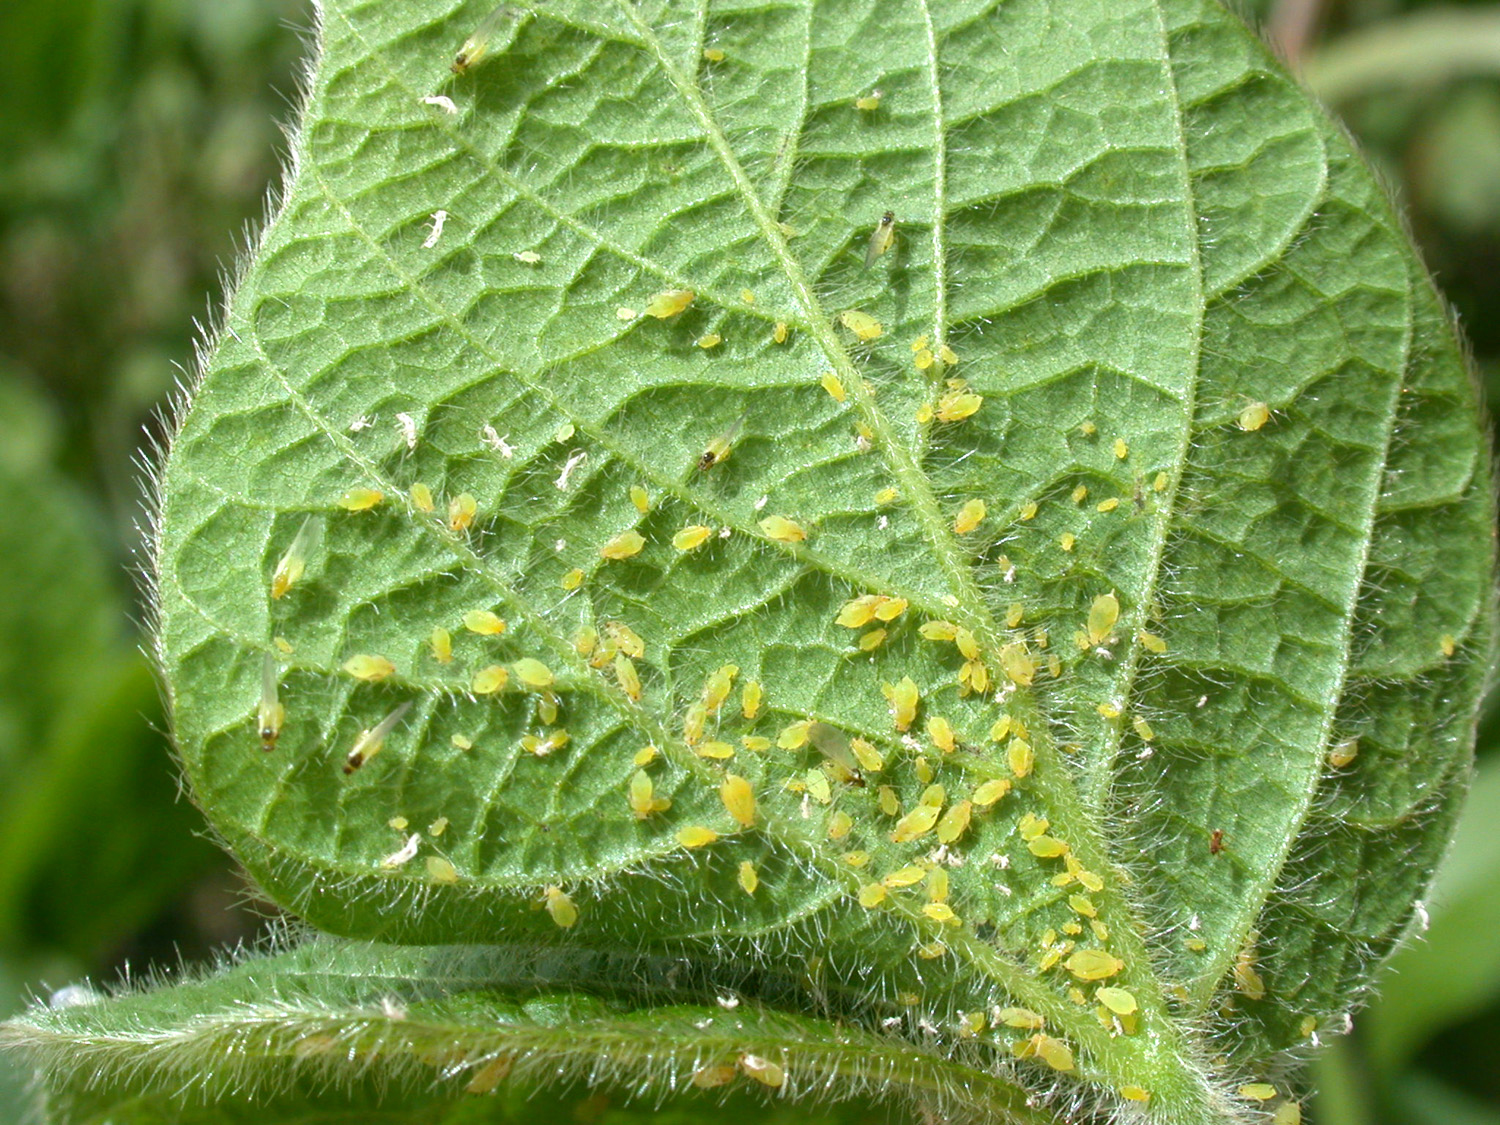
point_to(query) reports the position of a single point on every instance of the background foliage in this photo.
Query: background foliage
(141, 137)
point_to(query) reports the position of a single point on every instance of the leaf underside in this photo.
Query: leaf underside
(1126, 231)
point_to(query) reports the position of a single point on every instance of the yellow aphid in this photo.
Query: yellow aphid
(857, 858)
(815, 782)
(709, 1077)
(476, 47)
(967, 644)
(872, 640)
(1023, 1018)
(461, 511)
(669, 303)
(692, 724)
(1017, 664)
(1196, 945)
(1254, 416)
(863, 325)
(462, 742)
(1246, 979)
(889, 804)
(1047, 847)
(283, 646)
(709, 340)
(560, 906)
(1344, 753)
(1122, 449)
(626, 639)
(361, 499)
(858, 612)
(483, 622)
(947, 355)
(1117, 1000)
(715, 750)
(270, 714)
(916, 823)
(782, 530)
(541, 747)
(839, 825)
(1151, 642)
(692, 537)
(1083, 905)
(738, 796)
(713, 54)
(1107, 710)
(696, 836)
(751, 697)
(370, 742)
(762, 1070)
(1160, 483)
(924, 414)
(1448, 644)
(421, 497)
(586, 640)
(834, 386)
(718, 687)
(293, 564)
(1107, 505)
(924, 360)
(881, 238)
(627, 677)
(940, 912)
(1090, 881)
(937, 884)
(794, 736)
(643, 799)
(1287, 1113)
(955, 822)
(923, 768)
(640, 498)
(904, 697)
(868, 103)
(991, 791)
(1001, 729)
(1093, 964)
(1054, 1052)
(958, 404)
(779, 333)
(370, 668)
(1080, 494)
(439, 870)
(572, 579)
(906, 877)
(1142, 729)
(1258, 1091)
(887, 496)
(748, 877)
(1103, 614)
(532, 672)
(1031, 826)
(625, 545)
(441, 643)
(645, 755)
(970, 516)
(941, 733)
(868, 757)
(489, 680)
(1135, 1094)
(872, 895)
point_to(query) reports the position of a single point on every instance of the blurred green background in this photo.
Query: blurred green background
(137, 141)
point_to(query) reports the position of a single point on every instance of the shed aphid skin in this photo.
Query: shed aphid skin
(476, 47)
(881, 238)
(371, 742)
(669, 303)
(404, 855)
(718, 450)
(293, 564)
(271, 713)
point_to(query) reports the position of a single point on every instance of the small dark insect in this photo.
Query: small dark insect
(718, 450)
(1216, 842)
(880, 241)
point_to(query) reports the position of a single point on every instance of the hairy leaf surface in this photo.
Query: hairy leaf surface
(1139, 478)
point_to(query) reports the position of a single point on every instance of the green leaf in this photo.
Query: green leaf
(1211, 381)
(420, 1034)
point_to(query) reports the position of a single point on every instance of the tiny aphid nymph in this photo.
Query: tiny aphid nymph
(271, 713)
(882, 238)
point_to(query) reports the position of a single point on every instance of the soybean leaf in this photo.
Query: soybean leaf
(1137, 488)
